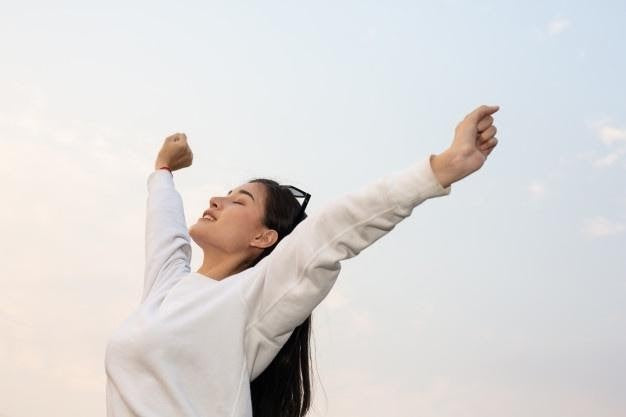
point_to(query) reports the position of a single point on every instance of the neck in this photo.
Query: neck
(219, 265)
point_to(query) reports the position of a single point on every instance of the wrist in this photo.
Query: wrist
(444, 166)
(164, 168)
(158, 164)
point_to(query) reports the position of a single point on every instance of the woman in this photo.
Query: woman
(231, 339)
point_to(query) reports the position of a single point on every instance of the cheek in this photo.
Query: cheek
(236, 232)
(242, 223)
(238, 226)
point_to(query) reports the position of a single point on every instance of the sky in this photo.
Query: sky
(505, 298)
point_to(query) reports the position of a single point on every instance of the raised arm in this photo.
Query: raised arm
(301, 270)
(167, 240)
(168, 245)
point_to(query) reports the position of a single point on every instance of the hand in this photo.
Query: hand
(474, 140)
(175, 153)
(474, 137)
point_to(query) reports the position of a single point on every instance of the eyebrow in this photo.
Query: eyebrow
(244, 192)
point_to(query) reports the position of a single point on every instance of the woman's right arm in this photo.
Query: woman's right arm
(167, 241)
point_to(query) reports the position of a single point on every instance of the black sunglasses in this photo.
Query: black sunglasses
(298, 193)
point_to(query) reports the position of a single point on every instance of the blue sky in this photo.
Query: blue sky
(507, 297)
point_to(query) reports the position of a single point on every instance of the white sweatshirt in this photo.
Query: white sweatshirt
(194, 343)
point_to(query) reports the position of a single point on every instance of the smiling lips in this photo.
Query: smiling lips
(208, 216)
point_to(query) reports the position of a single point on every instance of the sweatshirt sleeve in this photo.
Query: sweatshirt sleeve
(292, 280)
(168, 245)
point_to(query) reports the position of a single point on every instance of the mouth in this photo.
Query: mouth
(207, 216)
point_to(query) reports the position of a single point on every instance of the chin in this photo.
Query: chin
(193, 234)
(200, 236)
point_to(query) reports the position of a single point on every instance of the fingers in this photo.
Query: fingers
(176, 152)
(484, 123)
(488, 133)
(480, 112)
(489, 144)
(489, 149)
(486, 138)
(177, 137)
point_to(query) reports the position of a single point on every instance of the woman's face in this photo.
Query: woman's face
(237, 221)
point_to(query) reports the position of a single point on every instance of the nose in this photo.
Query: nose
(213, 201)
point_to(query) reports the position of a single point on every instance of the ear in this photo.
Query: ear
(265, 239)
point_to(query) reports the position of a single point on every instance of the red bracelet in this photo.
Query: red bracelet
(166, 167)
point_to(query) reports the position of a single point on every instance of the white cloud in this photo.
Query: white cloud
(611, 134)
(537, 189)
(607, 131)
(608, 159)
(557, 25)
(600, 226)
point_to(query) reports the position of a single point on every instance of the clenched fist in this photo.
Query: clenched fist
(175, 153)
(474, 137)
(474, 140)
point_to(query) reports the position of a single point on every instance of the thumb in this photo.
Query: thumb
(482, 111)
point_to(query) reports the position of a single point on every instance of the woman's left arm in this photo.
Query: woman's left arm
(292, 280)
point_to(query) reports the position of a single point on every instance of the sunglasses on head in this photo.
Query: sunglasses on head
(298, 193)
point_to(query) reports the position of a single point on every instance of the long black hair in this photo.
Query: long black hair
(283, 389)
